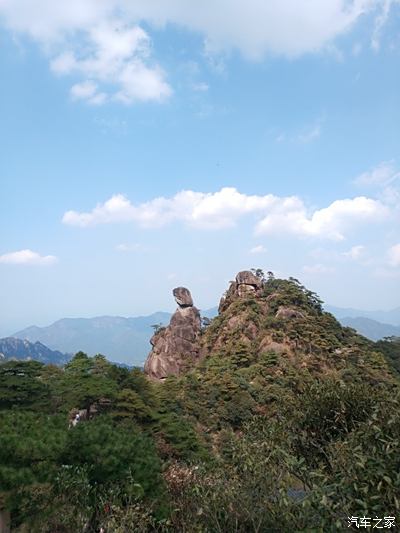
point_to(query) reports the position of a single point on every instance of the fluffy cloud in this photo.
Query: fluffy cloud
(88, 91)
(277, 215)
(355, 252)
(394, 255)
(101, 40)
(27, 257)
(382, 175)
(385, 178)
(317, 269)
(115, 55)
(260, 249)
(257, 27)
(204, 210)
(330, 222)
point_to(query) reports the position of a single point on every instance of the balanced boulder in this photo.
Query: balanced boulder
(176, 347)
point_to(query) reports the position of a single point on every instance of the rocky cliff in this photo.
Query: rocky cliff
(271, 321)
(176, 348)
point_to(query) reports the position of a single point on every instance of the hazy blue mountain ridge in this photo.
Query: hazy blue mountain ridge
(372, 329)
(12, 348)
(127, 340)
(391, 317)
(119, 338)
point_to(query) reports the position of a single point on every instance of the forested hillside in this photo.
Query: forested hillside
(288, 422)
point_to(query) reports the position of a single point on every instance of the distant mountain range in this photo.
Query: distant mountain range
(391, 317)
(126, 340)
(120, 339)
(12, 348)
(372, 329)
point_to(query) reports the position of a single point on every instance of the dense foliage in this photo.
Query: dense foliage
(295, 437)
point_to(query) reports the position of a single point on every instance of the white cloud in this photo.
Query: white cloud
(380, 22)
(205, 210)
(88, 90)
(385, 178)
(260, 249)
(382, 175)
(101, 40)
(330, 222)
(257, 27)
(200, 87)
(222, 209)
(310, 135)
(355, 252)
(394, 255)
(114, 55)
(27, 257)
(317, 269)
(128, 247)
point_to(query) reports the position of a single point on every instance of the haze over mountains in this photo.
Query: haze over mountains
(12, 348)
(387, 317)
(119, 338)
(126, 340)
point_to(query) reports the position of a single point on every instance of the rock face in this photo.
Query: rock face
(176, 347)
(246, 285)
(288, 312)
(240, 325)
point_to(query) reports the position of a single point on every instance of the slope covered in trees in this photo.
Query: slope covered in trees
(290, 422)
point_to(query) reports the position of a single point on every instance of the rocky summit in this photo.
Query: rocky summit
(246, 284)
(260, 318)
(176, 348)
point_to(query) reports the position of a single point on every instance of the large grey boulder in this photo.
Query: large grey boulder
(245, 277)
(246, 285)
(183, 297)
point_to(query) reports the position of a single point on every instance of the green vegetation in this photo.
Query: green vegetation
(289, 424)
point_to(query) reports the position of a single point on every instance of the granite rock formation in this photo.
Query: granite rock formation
(246, 285)
(176, 348)
(183, 297)
(240, 324)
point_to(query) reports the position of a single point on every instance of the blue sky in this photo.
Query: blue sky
(146, 145)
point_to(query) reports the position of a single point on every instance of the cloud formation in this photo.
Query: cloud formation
(103, 43)
(394, 255)
(116, 56)
(27, 257)
(222, 209)
(384, 178)
(355, 252)
(382, 175)
(330, 222)
(260, 249)
(317, 269)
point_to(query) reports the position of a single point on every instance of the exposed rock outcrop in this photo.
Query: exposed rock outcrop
(288, 312)
(176, 347)
(246, 285)
(269, 329)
